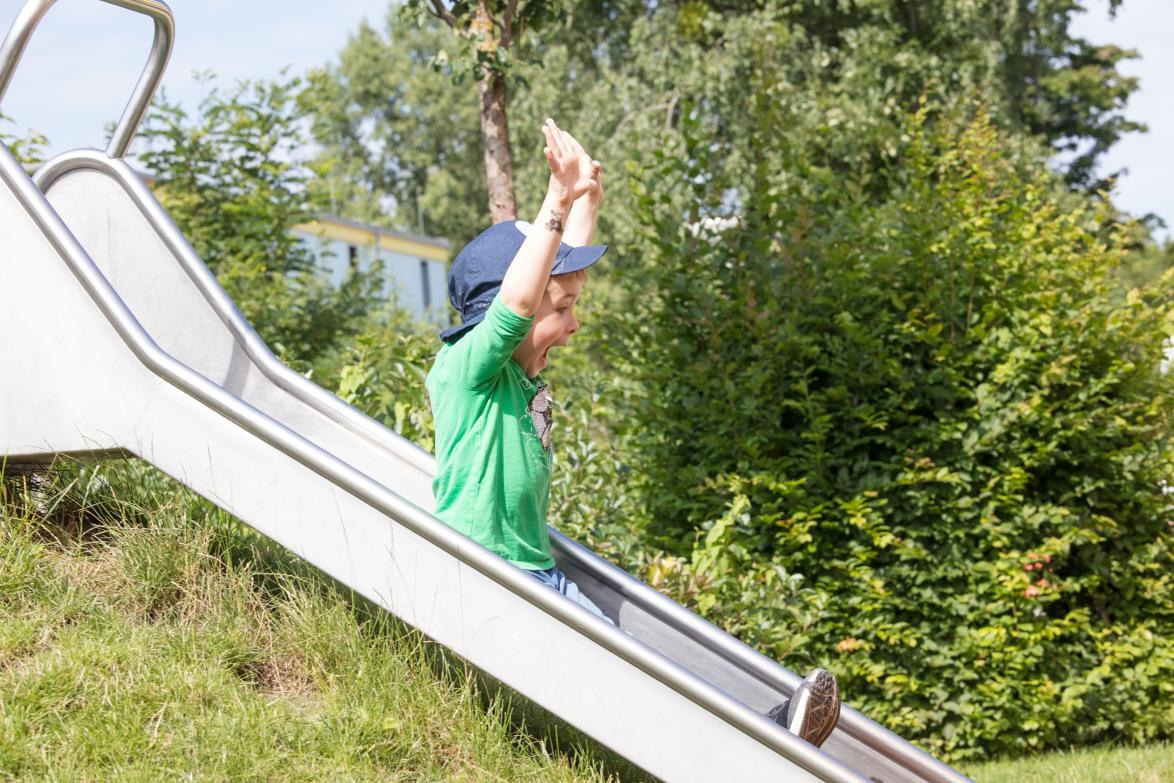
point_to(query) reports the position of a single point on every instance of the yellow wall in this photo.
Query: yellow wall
(362, 237)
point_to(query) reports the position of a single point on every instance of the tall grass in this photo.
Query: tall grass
(146, 635)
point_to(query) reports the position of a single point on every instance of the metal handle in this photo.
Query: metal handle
(30, 16)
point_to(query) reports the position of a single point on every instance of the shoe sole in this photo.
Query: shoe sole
(819, 704)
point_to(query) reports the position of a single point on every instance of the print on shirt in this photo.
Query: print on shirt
(542, 414)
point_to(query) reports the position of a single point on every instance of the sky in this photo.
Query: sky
(1146, 159)
(86, 56)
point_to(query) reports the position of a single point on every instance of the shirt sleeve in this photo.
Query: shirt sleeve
(481, 354)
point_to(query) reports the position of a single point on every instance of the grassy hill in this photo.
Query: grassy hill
(146, 635)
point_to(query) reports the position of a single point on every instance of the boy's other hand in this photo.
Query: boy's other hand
(587, 163)
(572, 172)
(596, 193)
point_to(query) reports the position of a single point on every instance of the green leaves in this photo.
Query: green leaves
(28, 149)
(382, 370)
(235, 180)
(929, 399)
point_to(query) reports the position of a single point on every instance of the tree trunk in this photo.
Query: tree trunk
(495, 133)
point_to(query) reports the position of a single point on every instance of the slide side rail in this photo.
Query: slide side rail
(378, 497)
(30, 16)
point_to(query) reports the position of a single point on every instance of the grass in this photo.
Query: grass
(146, 635)
(1152, 764)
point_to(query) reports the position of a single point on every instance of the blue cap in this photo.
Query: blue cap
(476, 274)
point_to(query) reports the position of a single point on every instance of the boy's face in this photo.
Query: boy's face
(554, 323)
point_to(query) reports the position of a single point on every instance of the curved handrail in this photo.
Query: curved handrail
(245, 335)
(852, 722)
(383, 500)
(136, 108)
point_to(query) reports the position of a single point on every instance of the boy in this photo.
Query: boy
(515, 287)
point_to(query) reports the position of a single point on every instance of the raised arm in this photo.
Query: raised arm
(525, 280)
(584, 212)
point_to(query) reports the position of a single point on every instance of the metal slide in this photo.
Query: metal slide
(137, 350)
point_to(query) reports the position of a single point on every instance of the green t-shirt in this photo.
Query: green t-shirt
(493, 470)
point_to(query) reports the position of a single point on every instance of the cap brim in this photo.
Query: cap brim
(573, 260)
(578, 258)
(456, 331)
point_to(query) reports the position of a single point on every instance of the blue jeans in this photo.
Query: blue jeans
(554, 578)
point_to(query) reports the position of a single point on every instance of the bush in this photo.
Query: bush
(382, 371)
(234, 178)
(915, 434)
(28, 148)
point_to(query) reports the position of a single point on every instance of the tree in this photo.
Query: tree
(1040, 77)
(617, 71)
(234, 180)
(489, 31)
(913, 432)
(400, 142)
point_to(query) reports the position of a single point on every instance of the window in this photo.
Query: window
(352, 253)
(424, 287)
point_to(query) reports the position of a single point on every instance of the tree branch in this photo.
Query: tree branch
(507, 27)
(668, 107)
(440, 12)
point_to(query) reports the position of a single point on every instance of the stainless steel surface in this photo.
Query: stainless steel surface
(136, 108)
(182, 306)
(141, 399)
(855, 735)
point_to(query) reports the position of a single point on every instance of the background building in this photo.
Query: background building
(414, 267)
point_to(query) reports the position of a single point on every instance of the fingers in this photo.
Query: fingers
(552, 160)
(553, 148)
(587, 164)
(551, 143)
(554, 137)
(574, 146)
(569, 162)
(562, 142)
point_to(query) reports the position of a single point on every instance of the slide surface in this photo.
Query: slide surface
(172, 374)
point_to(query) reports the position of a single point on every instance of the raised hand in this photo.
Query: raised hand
(587, 163)
(596, 193)
(572, 172)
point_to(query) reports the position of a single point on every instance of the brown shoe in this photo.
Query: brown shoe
(814, 707)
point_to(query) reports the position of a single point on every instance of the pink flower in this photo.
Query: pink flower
(1028, 567)
(1042, 583)
(1031, 592)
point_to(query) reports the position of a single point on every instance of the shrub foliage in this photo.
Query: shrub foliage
(234, 176)
(924, 435)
